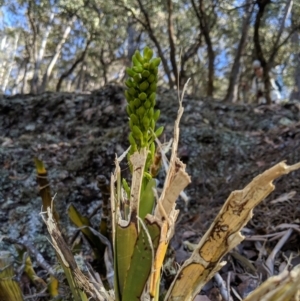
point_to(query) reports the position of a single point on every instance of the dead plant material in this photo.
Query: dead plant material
(177, 178)
(283, 287)
(9, 287)
(224, 234)
(96, 290)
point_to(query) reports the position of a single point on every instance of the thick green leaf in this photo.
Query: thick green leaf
(154, 232)
(147, 199)
(124, 247)
(140, 267)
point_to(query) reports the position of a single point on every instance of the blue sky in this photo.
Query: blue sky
(13, 20)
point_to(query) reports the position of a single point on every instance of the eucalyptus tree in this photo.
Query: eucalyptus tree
(207, 20)
(102, 55)
(8, 47)
(270, 40)
(295, 93)
(234, 76)
(168, 25)
(85, 44)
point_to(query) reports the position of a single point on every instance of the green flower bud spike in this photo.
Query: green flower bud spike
(148, 53)
(131, 106)
(159, 131)
(130, 72)
(141, 94)
(147, 104)
(156, 115)
(137, 102)
(141, 111)
(145, 74)
(137, 78)
(135, 61)
(134, 119)
(144, 86)
(128, 110)
(151, 78)
(129, 83)
(139, 57)
(132, 91)
(141, 97)
(138, 69)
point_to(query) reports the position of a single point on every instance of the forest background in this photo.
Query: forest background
(81, 45)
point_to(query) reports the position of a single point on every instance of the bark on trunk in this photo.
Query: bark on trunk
(56, 56)
(32, 47)
(211, 69)
(287, 11)
(232, 91)
(206, 23)
(296, 40)
(79, 85)
(104, 66)
(40, 55)
(258, 48)
(267, 64)
(171, 39)
(3, 48)
(10, 65)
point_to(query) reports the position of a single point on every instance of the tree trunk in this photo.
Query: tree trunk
(19, 77)
(84, 77)
(206, 24)
(104, 66)
(211, 69)
(79, 85)
(258, 49)
(267, 65)
(191, 51)
(287, 11)
(3, 48)
(171, 39)
(40, 55)
(56, 56)
(295, 94)
(11, 64)
(74, 65)
(232, 92)
(31, 47)
(147, 26)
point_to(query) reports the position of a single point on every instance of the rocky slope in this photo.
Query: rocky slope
(78, 135)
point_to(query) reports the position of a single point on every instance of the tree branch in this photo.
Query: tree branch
(171, 38)
(74, 65)
(147, 26)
